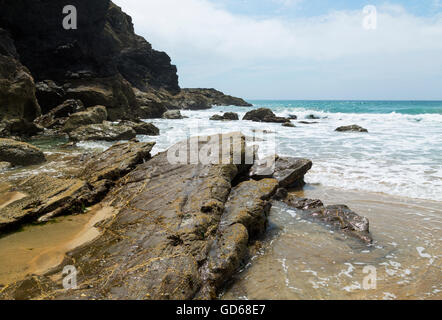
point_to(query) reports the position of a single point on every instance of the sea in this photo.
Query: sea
(401, 154)
(392, 175)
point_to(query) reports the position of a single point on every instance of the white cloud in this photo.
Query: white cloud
(205, 40)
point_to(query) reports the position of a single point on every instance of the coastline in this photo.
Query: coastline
(386, 213)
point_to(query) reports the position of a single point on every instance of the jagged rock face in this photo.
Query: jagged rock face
(103, 45)
(17, 88)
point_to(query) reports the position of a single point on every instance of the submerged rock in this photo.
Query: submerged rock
(303, 204)
(105, 131)
(289, 125)
(20, 153)
(264, 115)
(350, 222)
(338, 216)
(352, 128)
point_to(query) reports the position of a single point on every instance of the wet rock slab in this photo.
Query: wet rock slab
(178, 234)
(289, 172)
(46, 197)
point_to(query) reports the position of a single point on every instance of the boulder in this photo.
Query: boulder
(293, 117)
(352, 128)
(20, 153)
(228, 116)
(217, 117)
(142, 128)
(289, 172)
(289, 125)
(105, 131)
(173, 114)
(264, 115)
(93, 115)
(312, 117)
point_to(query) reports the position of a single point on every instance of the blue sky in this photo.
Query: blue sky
(299, 49)
(296, 8)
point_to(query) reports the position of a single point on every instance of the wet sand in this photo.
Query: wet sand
(302, 259)
(37, 249)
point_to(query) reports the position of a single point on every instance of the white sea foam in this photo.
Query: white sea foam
(401, 155)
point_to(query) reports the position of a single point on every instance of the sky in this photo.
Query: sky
(299, 49)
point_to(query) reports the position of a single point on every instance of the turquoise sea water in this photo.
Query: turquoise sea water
(381, 107)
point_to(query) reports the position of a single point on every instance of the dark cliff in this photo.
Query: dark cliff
(103, 45)
(100, 62)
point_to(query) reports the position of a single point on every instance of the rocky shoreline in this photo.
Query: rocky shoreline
(178, 230)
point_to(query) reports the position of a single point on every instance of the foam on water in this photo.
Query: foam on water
(401, 155)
